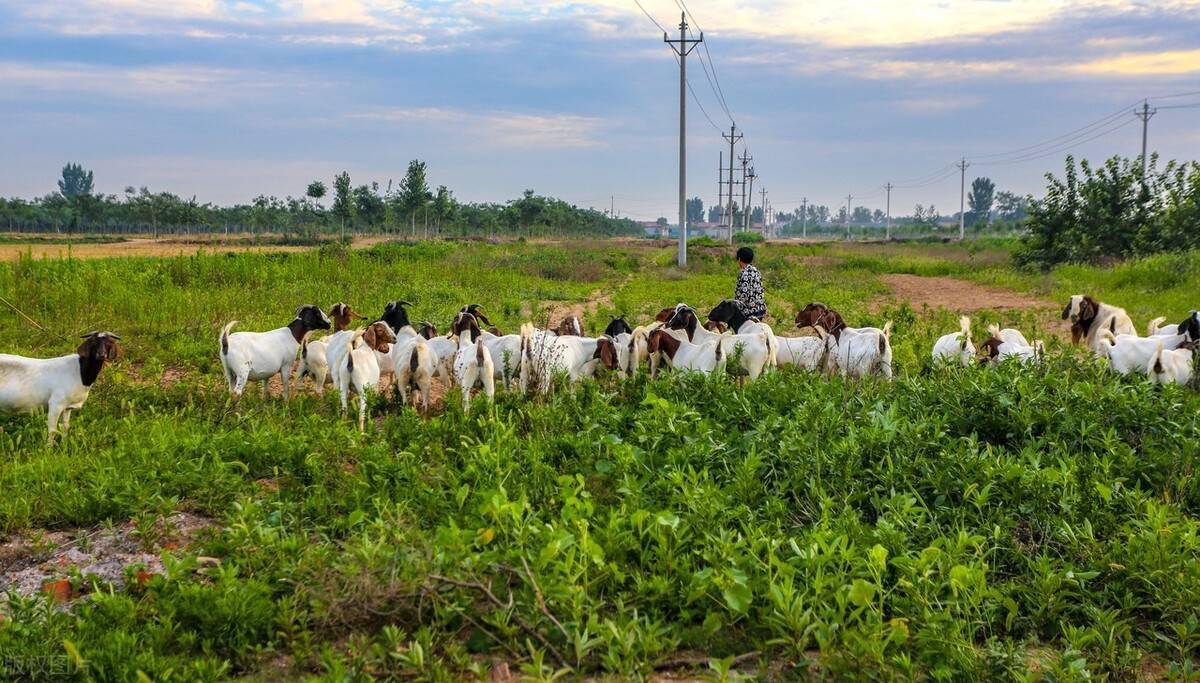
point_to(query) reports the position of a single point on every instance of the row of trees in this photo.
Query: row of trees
(1113, 211)
(411, 208)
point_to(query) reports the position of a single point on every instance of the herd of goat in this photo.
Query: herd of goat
(474, 354)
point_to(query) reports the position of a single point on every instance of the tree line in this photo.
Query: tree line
(1112, 211)
(411, 208)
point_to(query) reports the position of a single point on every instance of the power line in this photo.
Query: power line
(1045, 153)
(1055, 141)
(697, 100)
(1174, 95)
(1178, 106)
(720, 93)
(649, 17)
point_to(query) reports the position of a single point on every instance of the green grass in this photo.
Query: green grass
(978, 524)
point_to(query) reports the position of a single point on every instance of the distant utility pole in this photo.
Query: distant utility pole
(748, 217)
(721, 184)
(683, 47)
(745, 159)
(612, 206)
(962, 199)
(848, 198)
(732, 138)
(804, 217)
(763, 202)
(1145, 114)
(888, 233)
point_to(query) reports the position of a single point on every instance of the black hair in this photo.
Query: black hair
(745, 255)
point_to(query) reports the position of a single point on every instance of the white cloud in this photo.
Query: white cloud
(500, 128)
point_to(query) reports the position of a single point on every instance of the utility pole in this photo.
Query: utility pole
(1145, 114)
(732, 138)
(721, 182)
(683, 47)
(848, 198)
(962, 199)
(888, 234)
(748, 214)
(612, 206)
(763, 203)
(804, 218)
(745, 159)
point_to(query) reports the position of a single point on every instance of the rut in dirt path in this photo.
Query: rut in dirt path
(586, 309)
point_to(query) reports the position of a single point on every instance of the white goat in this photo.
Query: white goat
(1171, 366)
(1007, 334)
(811, 352)
(1129, 353)
(757, 350)
(473, 362)
(313, 362)
(415, 371)
(995, 350)
(57, 385)
(545, 354)
(682, 354)
(1089, 317)
(1190, 326)
(955, 347)
(259, 356)
(359, 366)
(865, 351)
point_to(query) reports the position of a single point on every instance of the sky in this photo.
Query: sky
(228, 99)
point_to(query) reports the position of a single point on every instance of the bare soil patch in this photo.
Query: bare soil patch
(953, 294)
(29, 561)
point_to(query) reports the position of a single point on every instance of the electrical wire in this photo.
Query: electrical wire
(1174, 95)
(1055, 141)
(660, 27)
(1059, 150)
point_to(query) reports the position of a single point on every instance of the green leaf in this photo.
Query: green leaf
(862, 592)
(738, 597)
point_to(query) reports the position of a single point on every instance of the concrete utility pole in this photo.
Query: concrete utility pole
(748, 214)
(745, 159)
(1145, 114)
(763, 203)
(888, 233)
(848, 198)
(804, 218)
(683, 47)
(732, 138)
(721, 183)
(612, 206)
(962, 199)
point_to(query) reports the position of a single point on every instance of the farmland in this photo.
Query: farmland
(980, 523)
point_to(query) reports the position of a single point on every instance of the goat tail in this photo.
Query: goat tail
(772, 349)
(964, 324)
(1152, 329)
(416, 355)
(225, 337)
(1109, 337)
(480, 349)
(304, 347)
(994, 330)
(719, 354)
(887, 329)
(1158, 352)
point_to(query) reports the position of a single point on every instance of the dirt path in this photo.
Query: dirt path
(142, 246)
(953, 294)
(554, 311)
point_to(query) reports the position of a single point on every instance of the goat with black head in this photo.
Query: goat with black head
(56, 385)
(258, 356)
(1090, 317)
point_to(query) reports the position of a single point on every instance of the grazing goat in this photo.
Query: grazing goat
(58, 385)
(758, 349)
(1007, 334)
(1129, 353)
(1171, 366)
(818, 314)
(682, 354)
(995, 350)
(545, 354)
(415, 370)
(955, 347)
(259, 356)
(810, 352)
(473, 362)
(1088, 317)
(570, 326)
(313, 362)
(1190, 326)
(617, 326)
(865, 351)
(360, 366)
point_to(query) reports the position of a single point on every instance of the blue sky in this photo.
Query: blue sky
(229, 99)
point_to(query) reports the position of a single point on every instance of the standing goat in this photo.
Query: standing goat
(1190, 326)
(865, 351)
(473, 362)
(1089, 317)
(313, 362)
(1172, 366)
(728, 313)
(810, 352)
(58, 385)
(359, 366)
(259, 356)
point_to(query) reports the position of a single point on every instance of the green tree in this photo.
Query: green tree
(75, 181)
(343, 200)
(695, 210)
(443, 206)
(983, 193)
(414, 191)
(369, 205)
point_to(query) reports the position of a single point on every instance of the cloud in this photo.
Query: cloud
(1165, 63)
(500, 128)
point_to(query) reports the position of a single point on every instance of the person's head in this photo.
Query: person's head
(745, 256)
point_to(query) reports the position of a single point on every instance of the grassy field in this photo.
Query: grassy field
(1019, 523)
